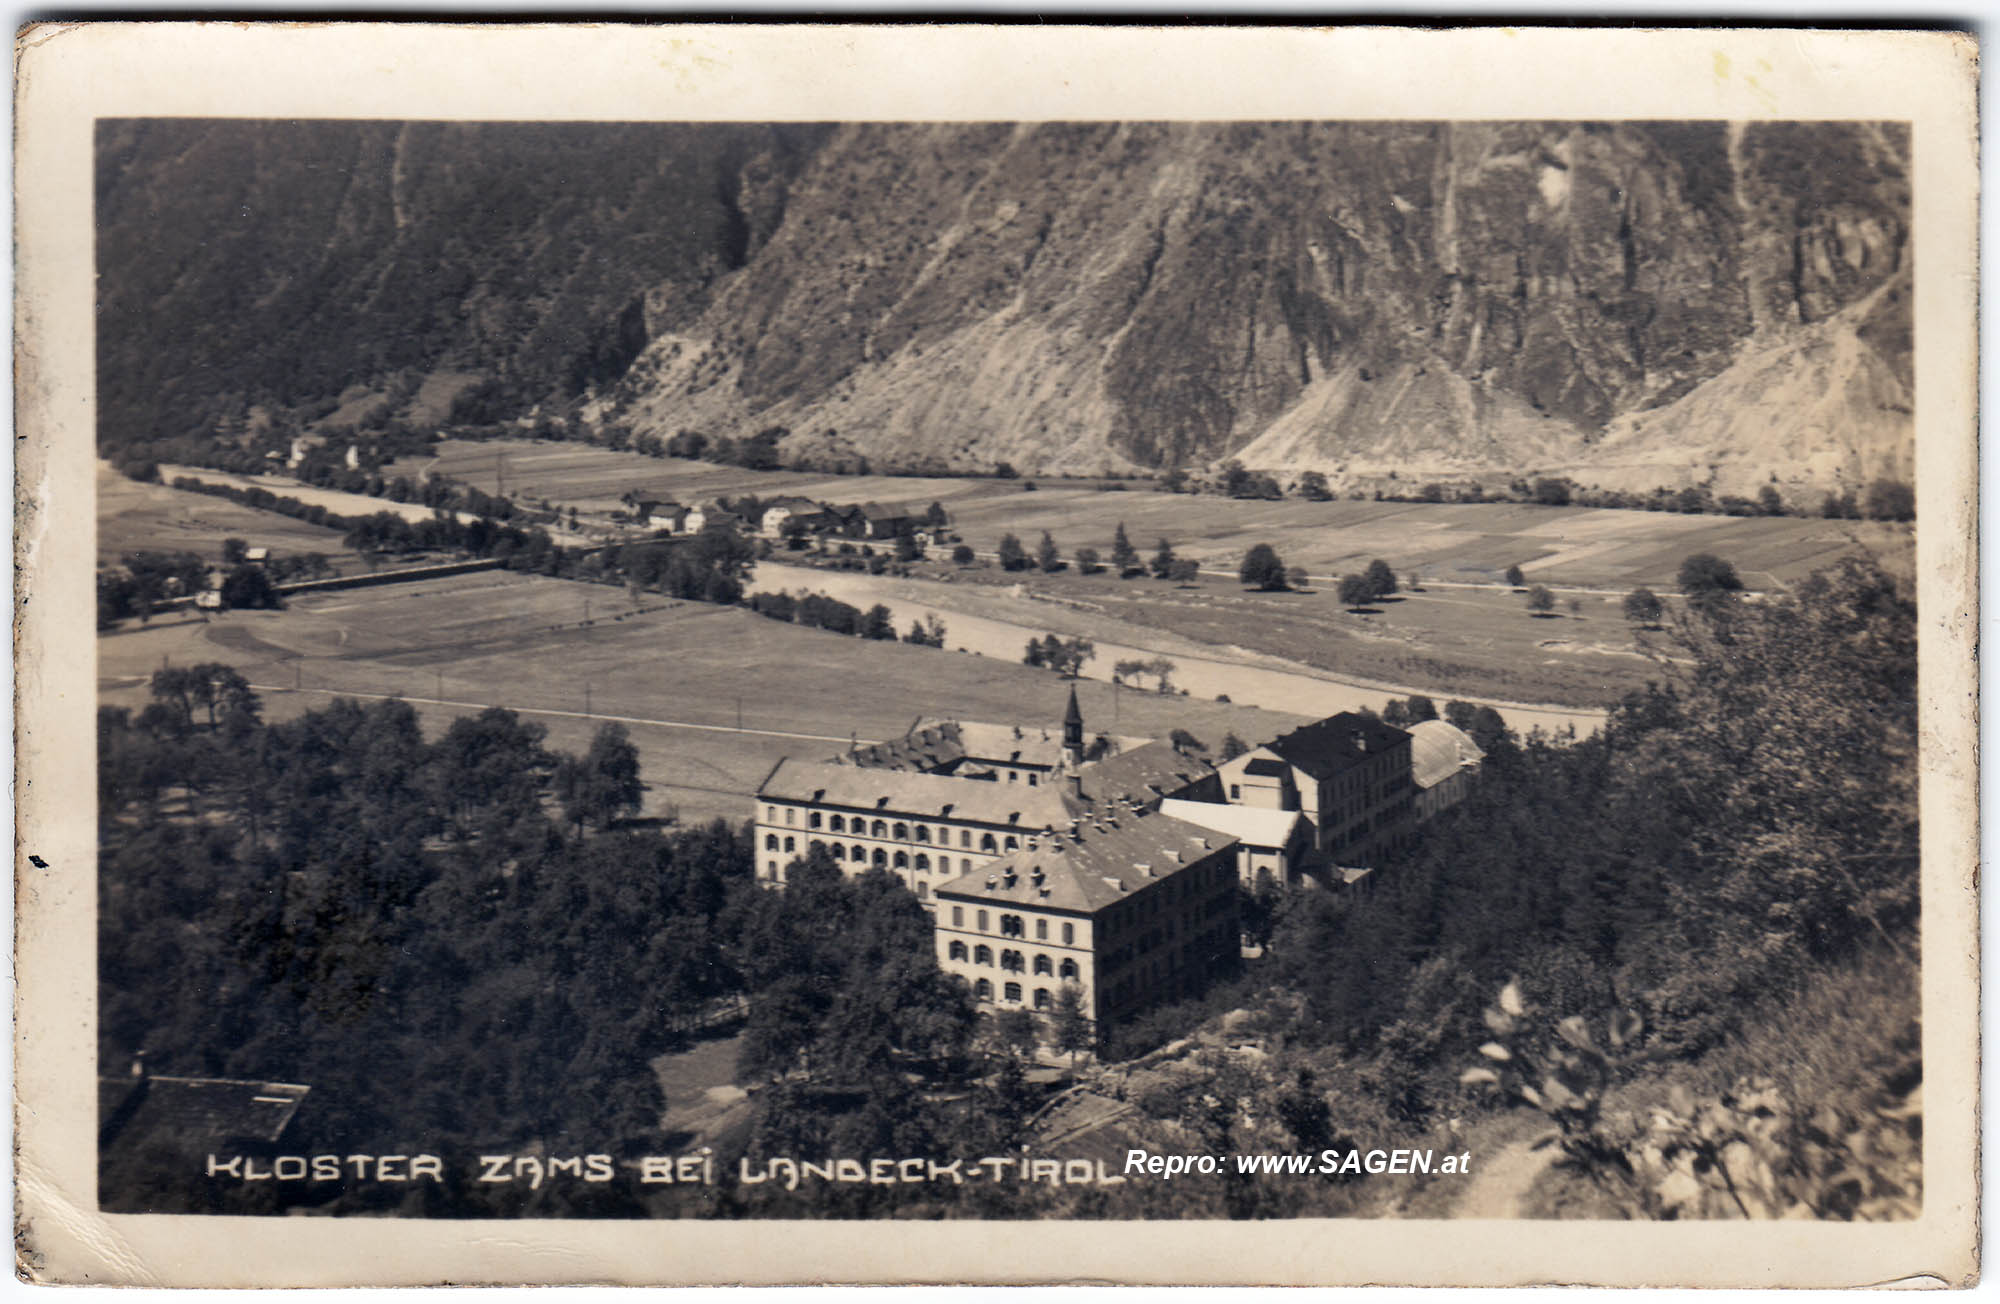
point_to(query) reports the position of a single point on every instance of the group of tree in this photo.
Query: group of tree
(818, 611)
(1378, 581)
(1262, 569)
(1160, 669)
(1065, 656)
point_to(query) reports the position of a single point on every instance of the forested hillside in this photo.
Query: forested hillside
(1355, 298)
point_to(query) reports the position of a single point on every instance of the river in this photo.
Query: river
(1299, 690)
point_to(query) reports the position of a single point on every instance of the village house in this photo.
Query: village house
(1349, 774)
(1444, 762)
(711, 517)
(779, 512)
(885, 522)
(1129, 907)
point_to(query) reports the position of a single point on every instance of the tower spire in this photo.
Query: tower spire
(1073, 731)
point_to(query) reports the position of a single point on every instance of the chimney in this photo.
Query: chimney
(1075, 786)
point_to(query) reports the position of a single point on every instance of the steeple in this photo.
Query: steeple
(1073, 731)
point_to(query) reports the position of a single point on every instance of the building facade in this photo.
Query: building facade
(1268, 841)
(1349, 774)
(1129, 909)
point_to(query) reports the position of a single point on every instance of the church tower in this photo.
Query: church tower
(1073, 732)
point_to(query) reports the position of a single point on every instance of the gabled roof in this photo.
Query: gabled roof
(1255, 826)
(1099, 863)
(880, 512)
(193, 1111)
(924, 747)
(792, 505)
(1336, 744)
(1438, 750)
(1265, 767)
(918, 795)
(1143, 774)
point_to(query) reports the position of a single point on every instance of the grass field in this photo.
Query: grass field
(1467, 542)
(685, 676)
(134, 517)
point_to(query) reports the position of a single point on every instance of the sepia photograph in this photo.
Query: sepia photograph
(1088, 668)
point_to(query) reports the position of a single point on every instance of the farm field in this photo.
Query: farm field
(334, 500)
(682, 675)
(1453, 542)
(134, 517)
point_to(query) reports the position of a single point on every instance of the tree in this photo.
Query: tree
(1232, 747)
(1514, 577)
(248, 587)
(1183, 741)
(1163, 560)
(1643, 607)
(1355, 592)
(1046, 555)
(1086, 561)
(1037, 653)
(1067, 656)
(1709, 583)
(1312, 485)
(1013, 556)
(1552, 492)
(1891, 500)
(234, 552)
(962, 554)
(1297, 577)
(1184, 571)
(1540, 600)
(928, 632)
(1262, 569)
(907, 548)
(1768, 500)
(1074, 1030)
(1460, 715)
(1422, 708)
(1381, 580)
(1124, 557)
(1015, 1033)
(936, 517)
(877, 624)
(603, 784)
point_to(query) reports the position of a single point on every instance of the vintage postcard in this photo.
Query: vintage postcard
(995, 654)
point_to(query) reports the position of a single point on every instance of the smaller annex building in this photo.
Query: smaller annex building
(1444, 761)
(1131, 907)
(1349, 774)
(1277, 842)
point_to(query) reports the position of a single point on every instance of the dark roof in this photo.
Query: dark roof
(1266, 767)
(915, 794)
(1074, 715)
(1099, 862)
(878, 512)
(931, 747)
(194, 1110)
(1143, 774)
(1337, 743)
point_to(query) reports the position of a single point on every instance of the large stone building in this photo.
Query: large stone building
(1132, 907)
(1349, 774)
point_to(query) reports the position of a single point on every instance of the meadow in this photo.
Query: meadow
(684, 677)
(135, 517)
(1452, 542)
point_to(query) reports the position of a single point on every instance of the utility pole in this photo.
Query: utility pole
(440, 682)
(586, 699)
(739, 714)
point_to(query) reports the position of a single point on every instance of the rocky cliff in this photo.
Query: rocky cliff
(1626, 302)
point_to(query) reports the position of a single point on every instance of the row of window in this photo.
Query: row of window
(1012, 961)
(773, 874)
(897, 832)
(1011, 993)
(1012, 926)
(881, 859)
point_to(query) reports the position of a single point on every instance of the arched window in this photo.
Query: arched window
(1032, 781)
(1013, 843)
(1012, 961)
(1069, 934)
(956, 950)
(1043, 966)
(1012, 926)
(902, 860)
(981, 917)
(1041, 930)
(880, 859)
(987, 844)
(837, 824)
(923, 833)
(812, 819)
(1042, 1001)
(923, 863)
(923, 891)
(879, 829)
(770, 842)
(1013, 992)
(1067, 970)
(771, 814)
(902, 833)
(983, 989)
(860, 853)
(789, 844)
(982, 954)
(839, 852)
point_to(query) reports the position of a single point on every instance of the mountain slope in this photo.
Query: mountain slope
(1351, 297)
